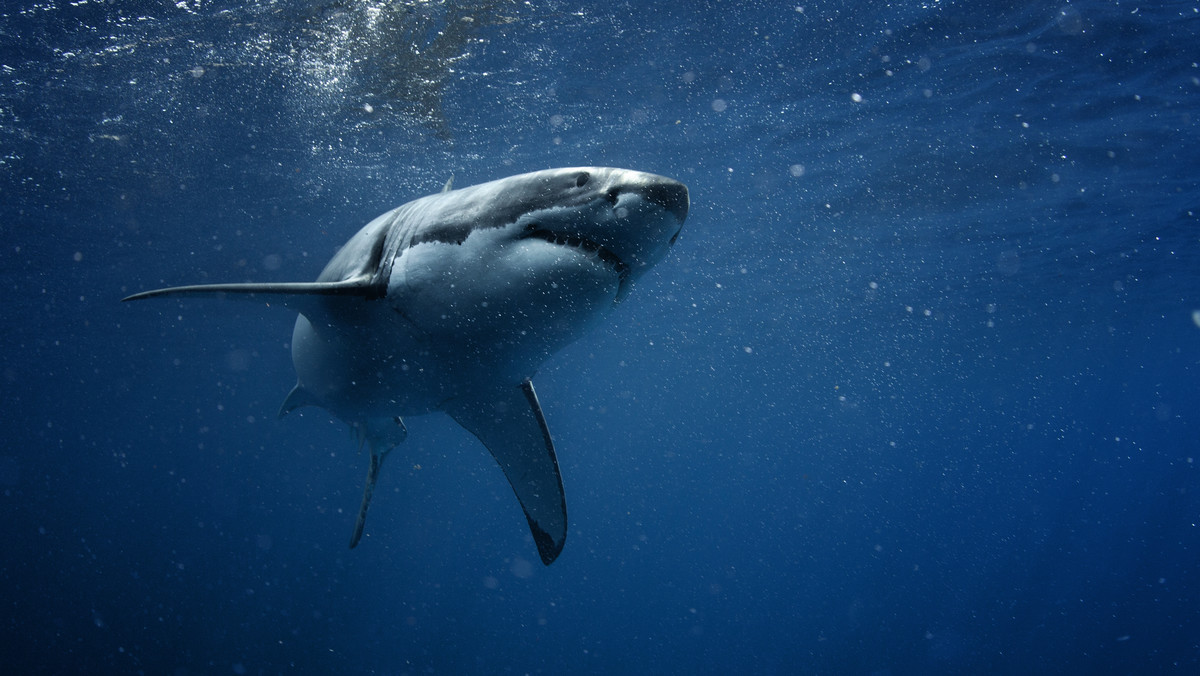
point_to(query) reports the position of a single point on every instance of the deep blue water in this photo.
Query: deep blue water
(916, 391)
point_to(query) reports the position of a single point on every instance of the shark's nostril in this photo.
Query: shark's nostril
(582, 179)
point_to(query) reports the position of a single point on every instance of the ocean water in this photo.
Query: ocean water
(916, 392)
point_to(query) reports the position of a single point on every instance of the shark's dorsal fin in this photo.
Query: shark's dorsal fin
(449, 184)
(509, 421)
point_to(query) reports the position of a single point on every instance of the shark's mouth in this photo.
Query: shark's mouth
(605, 255)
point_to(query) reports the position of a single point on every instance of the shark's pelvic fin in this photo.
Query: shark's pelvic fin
(509, 421)
(296, 398)
(368, 489)
(381, 436)
(362, 286)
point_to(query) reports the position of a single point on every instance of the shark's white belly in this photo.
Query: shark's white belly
(357, 375)
(448, 326)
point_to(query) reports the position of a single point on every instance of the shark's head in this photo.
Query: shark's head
(619, 219)
(541, 253)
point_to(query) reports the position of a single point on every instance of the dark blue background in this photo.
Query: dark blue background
(916, 391)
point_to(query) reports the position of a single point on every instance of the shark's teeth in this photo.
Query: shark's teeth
(582, 243)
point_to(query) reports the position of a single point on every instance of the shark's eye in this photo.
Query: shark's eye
(582, 179)
(612, 196)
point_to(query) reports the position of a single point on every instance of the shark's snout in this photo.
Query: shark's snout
(670, 195)
(661, 191)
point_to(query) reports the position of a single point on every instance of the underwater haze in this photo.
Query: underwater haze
(917, 390)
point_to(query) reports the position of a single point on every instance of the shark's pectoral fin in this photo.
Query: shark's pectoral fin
(509, 421)
(381, 436)
(295, 295)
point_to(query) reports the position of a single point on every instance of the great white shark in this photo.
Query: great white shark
(452, 301)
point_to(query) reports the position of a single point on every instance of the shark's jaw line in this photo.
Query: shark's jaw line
(583, 244)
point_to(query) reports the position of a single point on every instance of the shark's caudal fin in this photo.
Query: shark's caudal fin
(290, 294)
(509, 421)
